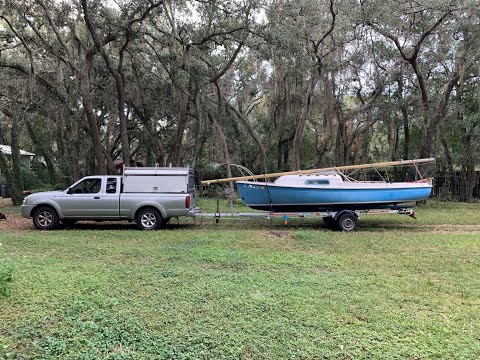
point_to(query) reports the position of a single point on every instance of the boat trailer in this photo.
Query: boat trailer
(343, 220)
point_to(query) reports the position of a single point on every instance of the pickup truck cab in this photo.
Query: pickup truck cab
(148, 196)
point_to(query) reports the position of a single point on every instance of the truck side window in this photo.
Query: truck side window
(88, 186)
(111, 185)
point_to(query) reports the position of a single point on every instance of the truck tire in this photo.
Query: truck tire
(148, 219)
(347, 222)
(45, 218)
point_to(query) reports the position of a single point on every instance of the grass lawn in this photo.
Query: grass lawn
(398, 288)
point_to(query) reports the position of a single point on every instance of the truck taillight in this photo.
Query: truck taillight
(187, 202)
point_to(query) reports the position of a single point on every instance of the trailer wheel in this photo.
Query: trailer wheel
(347, 222)
(148, 219)
(45, 218)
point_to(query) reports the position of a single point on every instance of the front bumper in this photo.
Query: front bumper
(26, 210)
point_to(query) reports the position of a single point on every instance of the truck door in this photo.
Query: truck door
(111, 198)
(83, 200)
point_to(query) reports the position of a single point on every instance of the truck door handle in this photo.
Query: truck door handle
(96, 197)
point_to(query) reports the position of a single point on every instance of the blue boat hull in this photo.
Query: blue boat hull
(282, 198)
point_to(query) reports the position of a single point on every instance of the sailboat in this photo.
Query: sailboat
(329, 189)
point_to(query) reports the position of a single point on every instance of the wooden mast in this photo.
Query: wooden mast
(312, 171)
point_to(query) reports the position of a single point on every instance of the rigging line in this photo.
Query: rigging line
(351, 179)
(379, 174)
(347, 177)
(425, 173)
(338, 171)
(424, 176)
(344, 176)
(353, 172)
(417, 172)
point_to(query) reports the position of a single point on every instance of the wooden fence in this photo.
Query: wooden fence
(455, 188)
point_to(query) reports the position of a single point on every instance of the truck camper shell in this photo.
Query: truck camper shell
(158, 180)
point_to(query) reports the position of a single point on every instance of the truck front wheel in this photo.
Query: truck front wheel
(148, 219)
(45, 218)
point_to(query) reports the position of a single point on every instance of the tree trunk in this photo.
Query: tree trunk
(222, 142)
(431, 122)
(329, 118)
(297, 141)
(75, 150)
(280, 154)
(404, 115)
(338, 141)
(199, 135)
(176, 150)
(45, 152)
(16, 184)
(97, 146)
(68, 165)
(126, 154)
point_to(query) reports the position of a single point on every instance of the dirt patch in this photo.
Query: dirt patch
(5, 202)
(279, 234)
(15, 222)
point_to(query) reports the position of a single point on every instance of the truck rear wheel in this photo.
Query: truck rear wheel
(148, 219)
(45, 218)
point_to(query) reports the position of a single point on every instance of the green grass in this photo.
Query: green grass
(398, 288)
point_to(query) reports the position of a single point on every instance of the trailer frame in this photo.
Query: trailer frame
(343, 219)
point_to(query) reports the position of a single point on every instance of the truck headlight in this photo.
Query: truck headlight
(25, 201)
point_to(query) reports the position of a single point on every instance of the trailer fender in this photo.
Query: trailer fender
(341, 212)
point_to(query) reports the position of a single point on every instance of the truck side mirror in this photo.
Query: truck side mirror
(69, 191)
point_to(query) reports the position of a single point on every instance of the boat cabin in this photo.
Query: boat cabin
(310, 180)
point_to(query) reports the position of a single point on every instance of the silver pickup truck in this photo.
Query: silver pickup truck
(149, 196)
